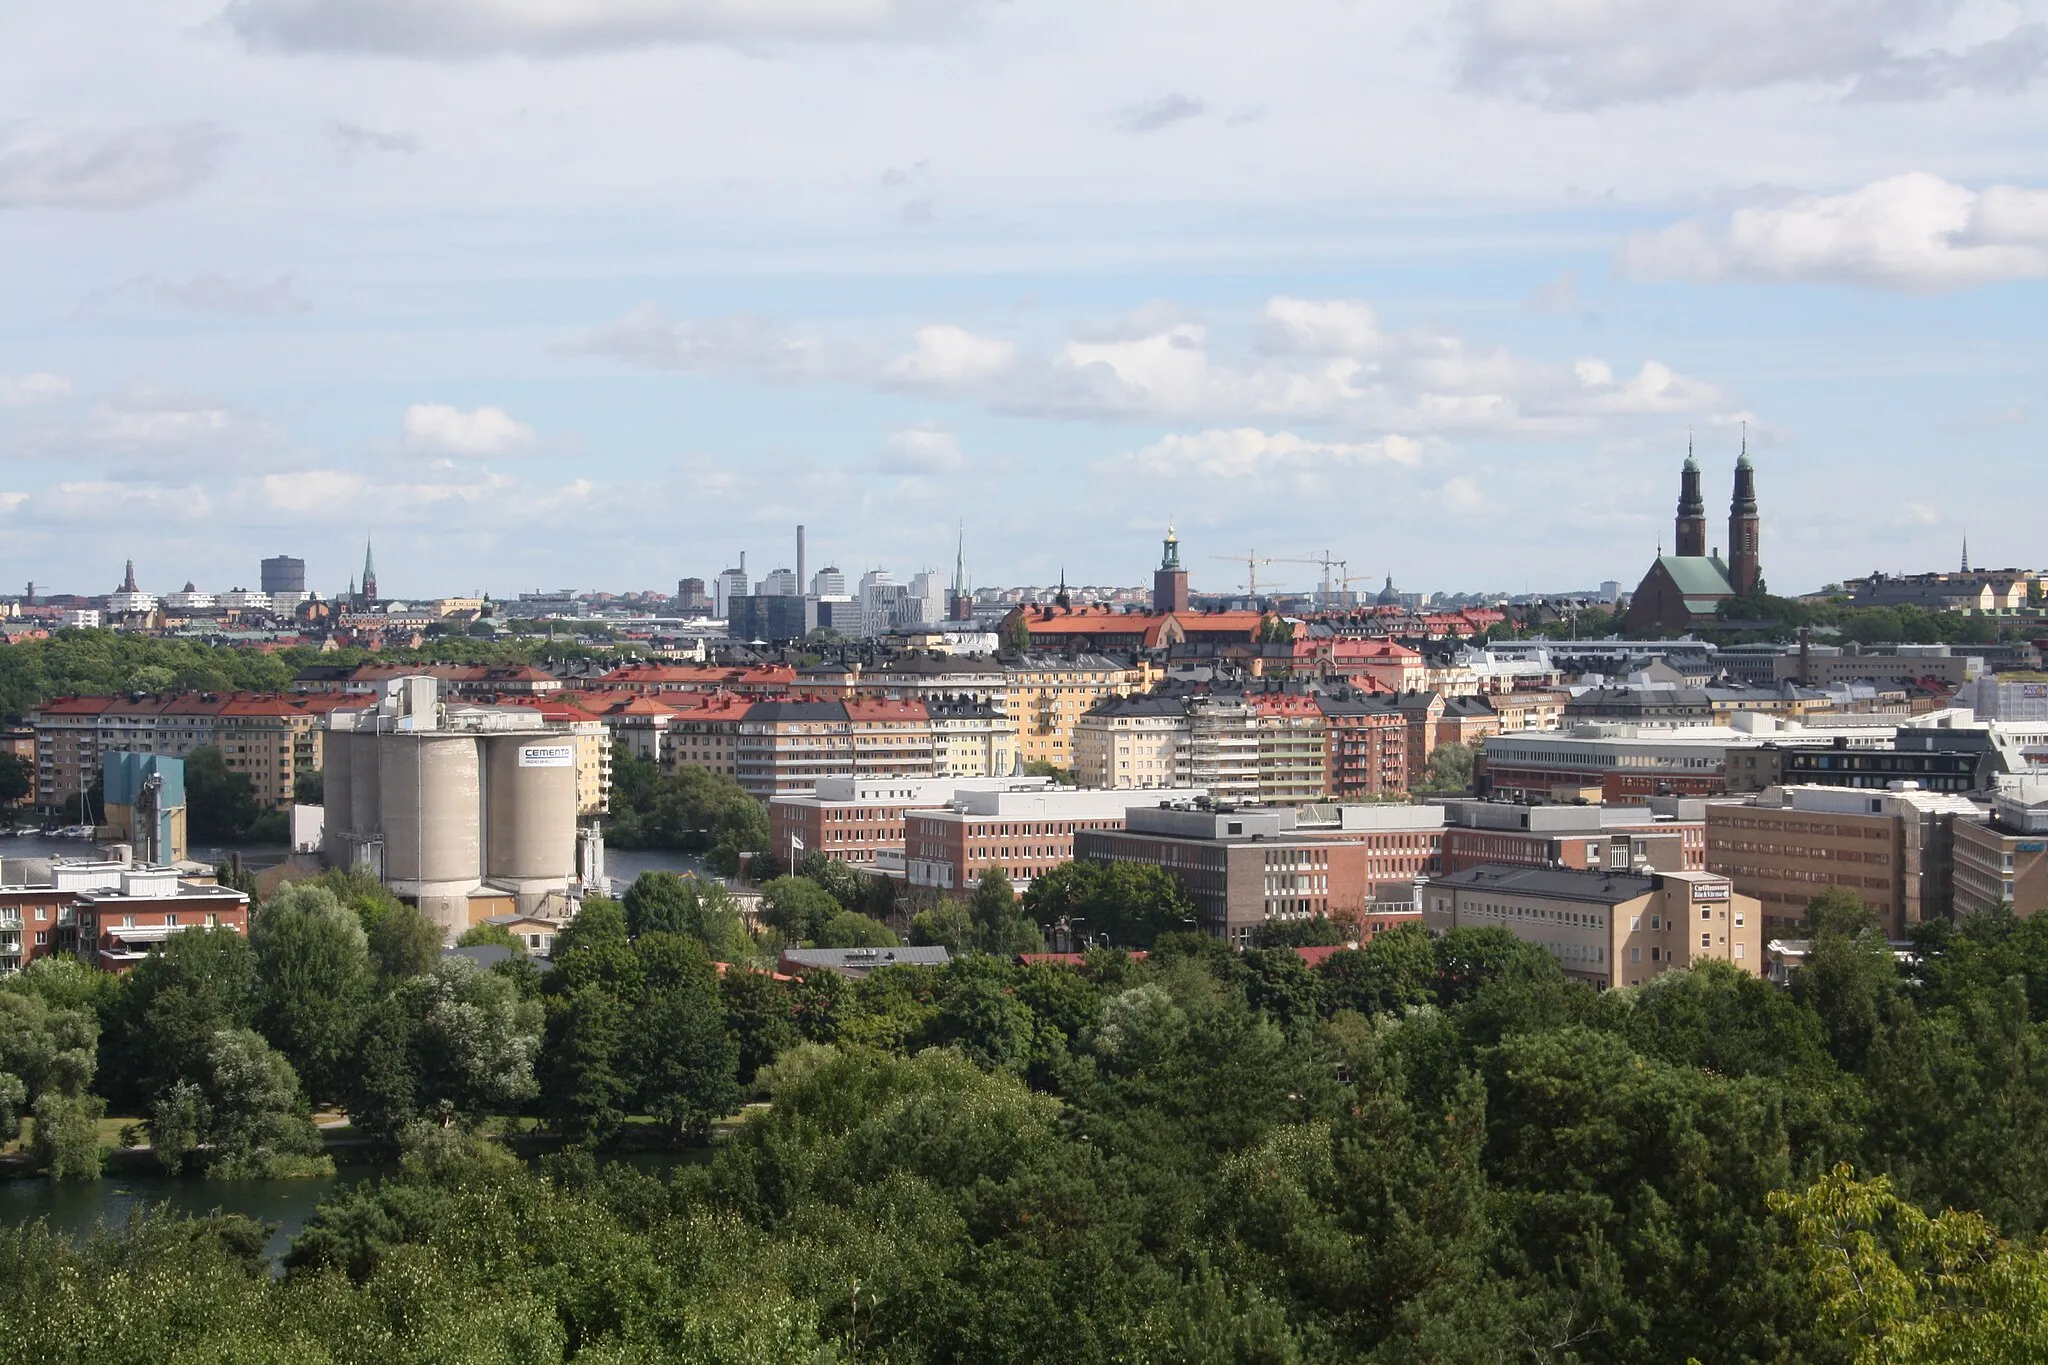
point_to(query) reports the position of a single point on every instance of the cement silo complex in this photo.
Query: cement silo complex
(467, 811)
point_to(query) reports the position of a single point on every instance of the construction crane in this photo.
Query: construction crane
(1251, 560)
(1328, 562)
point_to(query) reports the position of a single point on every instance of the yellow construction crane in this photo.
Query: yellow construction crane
(1251, 560)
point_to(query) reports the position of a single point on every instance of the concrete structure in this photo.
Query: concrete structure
(284, 573)
(2005, 860)
(466, 812)
(1606, 929)
(1024, 833)
(1893, 850)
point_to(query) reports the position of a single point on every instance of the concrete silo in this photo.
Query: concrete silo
(337, 774)
(430, 793)
(530, 815)
(365, 818)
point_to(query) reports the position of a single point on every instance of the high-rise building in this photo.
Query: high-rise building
(780, 583)
(728, 585)
(690, 594)
(828, 582)
(284, 573)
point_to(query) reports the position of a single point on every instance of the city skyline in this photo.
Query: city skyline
(604, 302)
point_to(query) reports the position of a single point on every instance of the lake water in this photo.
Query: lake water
(78, 1207)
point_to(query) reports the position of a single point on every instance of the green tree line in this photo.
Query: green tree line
(1422, 1150)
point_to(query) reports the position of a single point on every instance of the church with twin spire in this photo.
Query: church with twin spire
(1683, 590)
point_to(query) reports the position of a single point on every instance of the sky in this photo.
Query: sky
(601, 293)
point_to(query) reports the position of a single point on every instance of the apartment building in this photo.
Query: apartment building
(972, 736)
(2005, 859)
(859, 820)
(1365, 746)
(1893, 850)
(1537, 709)
(1024, 833)
(110, 914)
(269, 738)
(1132, 743)
(784, 747)
(1605, 928)
(1047, 696)
(1292, 747)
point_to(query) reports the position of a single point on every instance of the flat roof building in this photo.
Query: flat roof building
(1892, 850)
(1604, 928)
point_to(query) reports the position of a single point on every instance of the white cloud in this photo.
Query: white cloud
(1247, 453)
(921, 450)
(353, 138)
(744, 342)
(554, 28)
(40, 387)
(1913, 231)
(1343, 327)
(1153, 115)
(1461, 496)
(1312, 360)
(951, 355)
(311, 489)
(437, 428)
(149, 421)
(104, 170)
(220, 295)
(1917, 514)
(1588, 53)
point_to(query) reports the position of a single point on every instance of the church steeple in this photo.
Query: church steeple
(1692, 508)
(1966, 552)
(1745, 568)
(369, 575)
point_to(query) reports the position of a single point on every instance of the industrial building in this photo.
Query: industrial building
(144, 795)
(466, 811)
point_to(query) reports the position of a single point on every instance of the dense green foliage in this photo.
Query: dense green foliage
(103, 662)
(688, 808)
(1422, 1150)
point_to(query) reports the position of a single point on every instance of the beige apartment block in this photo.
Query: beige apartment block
(1605, 929)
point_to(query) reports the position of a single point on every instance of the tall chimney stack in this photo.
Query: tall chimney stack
(803, 585)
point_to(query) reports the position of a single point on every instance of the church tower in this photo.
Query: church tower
(1170, 580)
(1745, 569)
(1692, 510)
(369, 577)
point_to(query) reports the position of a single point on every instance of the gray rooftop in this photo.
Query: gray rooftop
(1597, 888)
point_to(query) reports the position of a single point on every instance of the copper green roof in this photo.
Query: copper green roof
(1698, 575)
